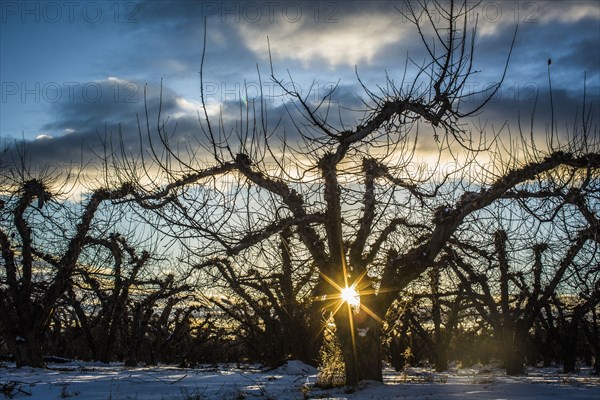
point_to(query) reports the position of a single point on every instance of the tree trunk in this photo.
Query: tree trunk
(514, 363)
(25, 336)
(441, 357)
(569, 347)
(133, 351)
(360, 340)
(399, 343)
(439, 347)
(512, 349)
(303, 339)
(105, 348)
(83, 323)
(28, 350)
(595, 341)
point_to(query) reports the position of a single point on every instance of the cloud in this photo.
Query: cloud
(567, 12)
(109, 111)
(86, 126)
(358, 40)
(493, 16)
(375, 37)
(574, 50)
(43, 137)
(83, 128)
(527, 113)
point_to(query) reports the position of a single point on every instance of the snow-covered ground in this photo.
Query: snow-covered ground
(294, 380)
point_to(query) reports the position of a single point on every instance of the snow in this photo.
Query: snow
(293, 380)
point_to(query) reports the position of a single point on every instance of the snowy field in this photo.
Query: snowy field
(294, 380)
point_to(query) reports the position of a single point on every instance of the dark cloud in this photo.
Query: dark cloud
(178, 28)
(167, 42)
(85, 125)
(538, 110)
(572, 46)
(103, 111)
(82, 127)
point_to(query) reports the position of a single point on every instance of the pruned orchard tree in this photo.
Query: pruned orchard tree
(370, 210)
(578, 328)
(42, 237)
(570, 324)
(270, 296)
(437, 298)
(116, 293)
(524, 288)
(513, 264)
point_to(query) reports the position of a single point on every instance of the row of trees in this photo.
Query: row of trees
(271, 228)
(108, 314)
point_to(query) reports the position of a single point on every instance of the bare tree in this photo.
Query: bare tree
(348, 192)
(545, 246)
(522, 295)
(42, 237)
(272, 298)
(107, 290)
(570, 318)
(443, 302)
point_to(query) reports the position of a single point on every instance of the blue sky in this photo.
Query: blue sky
(71, 69)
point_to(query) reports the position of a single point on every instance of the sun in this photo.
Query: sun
(351, 296)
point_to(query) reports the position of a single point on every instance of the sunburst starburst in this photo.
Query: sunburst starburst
(351, 296)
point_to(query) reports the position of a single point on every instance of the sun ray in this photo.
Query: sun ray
(371, 313)
(360, 278)
(338, 306)
(331, 281)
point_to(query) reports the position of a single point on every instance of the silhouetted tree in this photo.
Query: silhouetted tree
(273, 300)
(511, 297)
(368, 221)
(107, 290)
(41, 238)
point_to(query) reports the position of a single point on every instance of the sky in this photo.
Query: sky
(71, 71)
